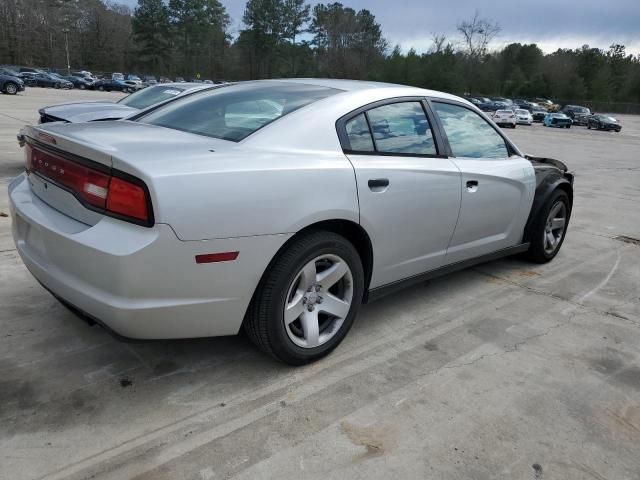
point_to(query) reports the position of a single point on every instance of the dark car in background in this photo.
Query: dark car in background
(603, 122)
(538, 113)
(44, 80)
(494, 106)
(78, 82)
(579, 115)
(109, 85)
(10, 82)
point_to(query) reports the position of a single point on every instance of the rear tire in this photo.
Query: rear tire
(294, 285)
(547, 235)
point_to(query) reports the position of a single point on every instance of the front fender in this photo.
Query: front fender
(547, 181)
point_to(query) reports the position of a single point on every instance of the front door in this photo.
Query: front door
(497, 188)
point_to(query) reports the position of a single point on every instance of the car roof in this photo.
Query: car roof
(365, 85)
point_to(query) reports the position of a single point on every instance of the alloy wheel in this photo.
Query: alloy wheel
(318, 301)
(11, 89)
(554, 227)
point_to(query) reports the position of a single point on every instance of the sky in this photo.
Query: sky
(552, 24)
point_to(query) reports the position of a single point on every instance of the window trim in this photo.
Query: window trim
(346, 144)
(511, 149)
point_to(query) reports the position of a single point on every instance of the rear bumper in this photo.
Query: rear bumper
(140, 282)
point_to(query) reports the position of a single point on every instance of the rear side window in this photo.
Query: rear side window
(469, 134)
(359, 135)
(235, 111)
(397, 128)
(401, 128)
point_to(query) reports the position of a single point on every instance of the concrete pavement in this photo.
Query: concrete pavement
(508, 370)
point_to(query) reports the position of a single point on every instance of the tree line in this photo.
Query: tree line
(288, 38)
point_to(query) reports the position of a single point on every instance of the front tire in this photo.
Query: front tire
(549, 228)
(308, 298)
(10, 88)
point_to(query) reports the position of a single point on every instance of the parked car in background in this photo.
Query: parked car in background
(117, 76)
(45, 80)
(505, 118)
(134, 85)
(523, 117)
(78, 82)
(109, 85)
(150, 80)
(85, 75)
(548, 104)
(188, 219)
(94, 111)
(579, 115)
(10, 82)
(603, 122)
(538, 113)
(559, 120)
(493, 106)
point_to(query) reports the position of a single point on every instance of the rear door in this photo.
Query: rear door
(409, 192)
(497, 184)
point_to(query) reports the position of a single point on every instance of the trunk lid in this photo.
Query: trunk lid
(141, 150)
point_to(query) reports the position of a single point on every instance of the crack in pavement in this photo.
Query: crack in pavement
(558, 297)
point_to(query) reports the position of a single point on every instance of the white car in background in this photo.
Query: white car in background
(523, 117)
(129, 105)
(505, 118)
(278, 206)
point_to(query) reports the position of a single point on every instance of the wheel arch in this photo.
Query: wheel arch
(350, 230)
(549, 184)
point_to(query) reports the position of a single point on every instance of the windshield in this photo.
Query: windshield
(522, 112)
(150, 96)
(236, 111)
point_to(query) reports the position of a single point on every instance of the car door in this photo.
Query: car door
(497, 184)
(409, 193)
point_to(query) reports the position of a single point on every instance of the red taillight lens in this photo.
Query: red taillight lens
(102, 190)
(128, 199)
(90, 184)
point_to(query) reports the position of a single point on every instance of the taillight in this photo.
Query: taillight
(98, 188)
(128, 199)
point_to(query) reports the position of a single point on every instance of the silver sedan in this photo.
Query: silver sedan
(277, 206)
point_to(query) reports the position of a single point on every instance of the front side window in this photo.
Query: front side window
(469, 134)
(235, 111)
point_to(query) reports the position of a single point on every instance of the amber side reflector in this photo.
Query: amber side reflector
(217, 257)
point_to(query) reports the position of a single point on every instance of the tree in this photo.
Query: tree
(477, 33)
(348, 43)
(199, 32)
(151, 30)
(296, 15)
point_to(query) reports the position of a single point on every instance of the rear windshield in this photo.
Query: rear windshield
(150, 96)
(236, 111)
(504, 112)
(522, 112)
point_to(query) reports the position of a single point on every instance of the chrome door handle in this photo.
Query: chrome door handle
(472, 186)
